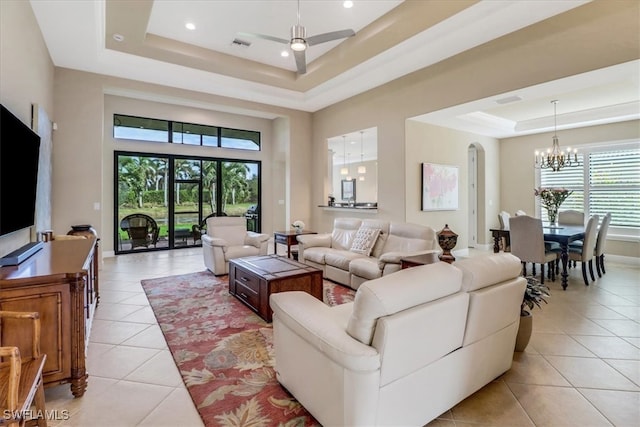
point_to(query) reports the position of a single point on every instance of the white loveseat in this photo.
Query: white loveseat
(411, 346)
(334, 253)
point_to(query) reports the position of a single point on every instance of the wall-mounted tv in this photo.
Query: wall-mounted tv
(19, 151)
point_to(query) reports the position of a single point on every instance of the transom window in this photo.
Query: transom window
(157, 130)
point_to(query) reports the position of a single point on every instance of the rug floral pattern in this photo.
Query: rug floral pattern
(224, 351)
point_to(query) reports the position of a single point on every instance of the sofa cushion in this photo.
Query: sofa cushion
(480, 272)
(233, 234)
(340, 259)
(366, 268)
(232, 252)
(405, 237)
(317, 254)
(344, 229)
(364, 240)
(399, 291)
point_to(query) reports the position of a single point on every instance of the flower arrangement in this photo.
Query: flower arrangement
(551, 199)
(298, 225)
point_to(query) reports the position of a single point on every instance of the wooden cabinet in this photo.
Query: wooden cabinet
(61, 283)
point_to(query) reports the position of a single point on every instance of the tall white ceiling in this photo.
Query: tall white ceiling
(79, 35)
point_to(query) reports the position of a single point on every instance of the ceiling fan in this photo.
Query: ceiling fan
(299, 41)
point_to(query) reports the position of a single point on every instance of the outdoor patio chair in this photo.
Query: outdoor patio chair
(141, 229)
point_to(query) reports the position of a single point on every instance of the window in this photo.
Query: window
(608, 181)
(140, 128)
(155, 130)
(242, 139)
(186, 133)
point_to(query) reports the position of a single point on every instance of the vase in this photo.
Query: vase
(552, 214)
(524, 332)
(298, 230)
(447, 240)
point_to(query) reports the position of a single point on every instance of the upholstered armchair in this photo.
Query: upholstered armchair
(227, 238)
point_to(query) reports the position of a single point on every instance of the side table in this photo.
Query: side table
(288, 238)
(416, 260)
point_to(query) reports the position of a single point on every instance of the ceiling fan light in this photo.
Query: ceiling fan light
(298, 45)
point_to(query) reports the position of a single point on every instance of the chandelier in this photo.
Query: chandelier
(555, 158)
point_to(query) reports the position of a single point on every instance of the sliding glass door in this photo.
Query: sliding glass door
(162, 202)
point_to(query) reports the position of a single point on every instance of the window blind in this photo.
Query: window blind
(609, 179)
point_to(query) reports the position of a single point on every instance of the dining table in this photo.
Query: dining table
(561, 234)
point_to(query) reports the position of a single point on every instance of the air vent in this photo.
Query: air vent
(508, 99)
(238, 42)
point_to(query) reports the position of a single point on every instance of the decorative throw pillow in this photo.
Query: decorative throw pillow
(364, 240)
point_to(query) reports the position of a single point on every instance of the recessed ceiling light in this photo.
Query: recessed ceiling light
(284, 53)
(348, 4)
(190, 26)
(118, 37)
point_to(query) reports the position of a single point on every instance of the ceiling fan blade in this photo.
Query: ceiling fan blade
(265, 37)
(301, 61)
(327, 37)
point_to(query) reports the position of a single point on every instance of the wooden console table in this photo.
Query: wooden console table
(61, 283)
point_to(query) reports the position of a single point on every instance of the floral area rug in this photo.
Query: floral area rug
(224, 351)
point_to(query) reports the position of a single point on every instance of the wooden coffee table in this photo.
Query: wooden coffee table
(253, 279)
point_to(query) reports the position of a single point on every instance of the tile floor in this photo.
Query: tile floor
(581, 368)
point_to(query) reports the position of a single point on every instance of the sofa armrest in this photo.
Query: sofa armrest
(255, 239)
(213, 241)
(312, 320)
(396, 257)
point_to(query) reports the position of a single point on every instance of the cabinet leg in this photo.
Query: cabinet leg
(79, 386)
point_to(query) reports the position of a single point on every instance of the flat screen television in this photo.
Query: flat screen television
(19, 152)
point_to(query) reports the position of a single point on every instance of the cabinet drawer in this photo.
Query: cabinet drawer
(249, 281)
(247, 295)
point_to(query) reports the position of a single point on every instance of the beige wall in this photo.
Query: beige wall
(83, 148)
(26, 78)
(435, 144)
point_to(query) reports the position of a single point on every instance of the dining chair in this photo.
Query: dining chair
(527, 243)
(571, 217)
(21, 383)
(585, 253)
(600, 242)
(601, 239)
(503, 218)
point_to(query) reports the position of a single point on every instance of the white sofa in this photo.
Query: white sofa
(227, 238)
(411, 346)
(334, 253)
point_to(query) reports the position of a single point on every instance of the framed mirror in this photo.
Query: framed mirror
(349, 189)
